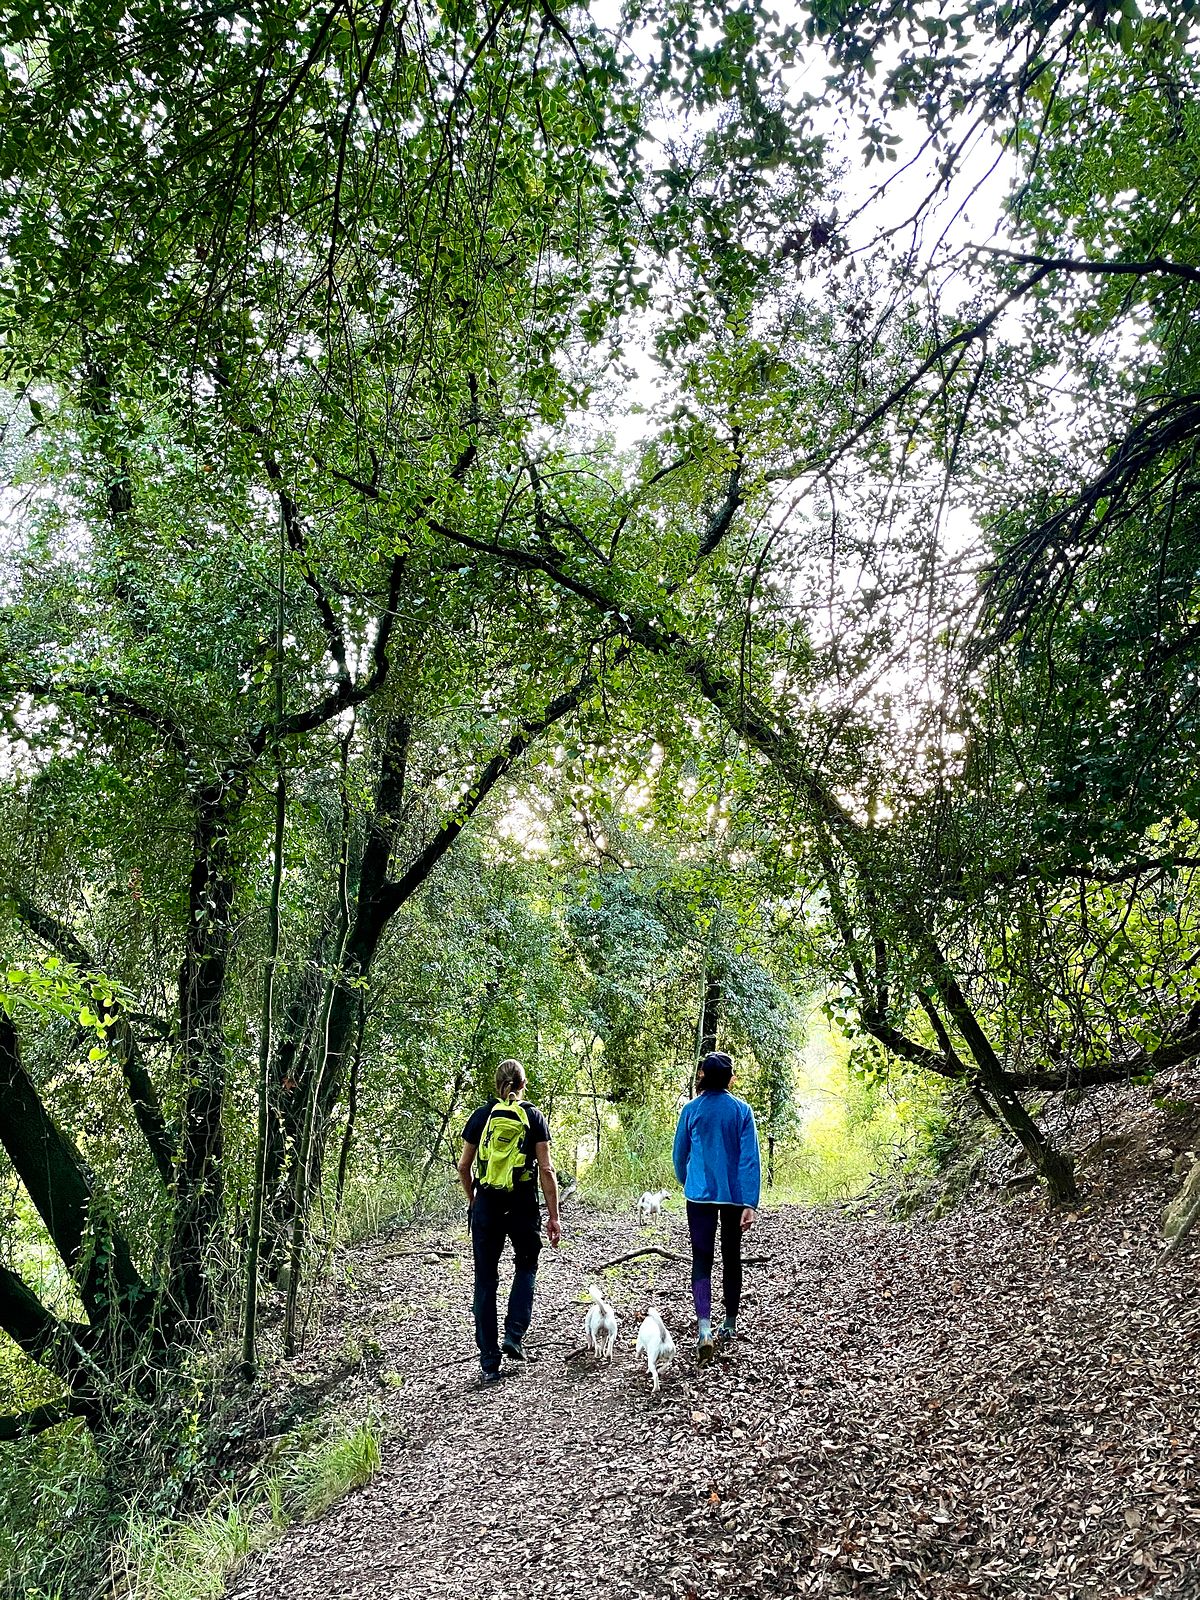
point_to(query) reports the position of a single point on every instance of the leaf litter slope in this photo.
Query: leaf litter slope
(1000, 1403)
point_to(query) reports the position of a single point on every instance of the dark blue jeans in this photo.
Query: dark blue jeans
(495, 1217)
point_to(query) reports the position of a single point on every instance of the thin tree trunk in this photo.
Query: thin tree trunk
(351, 1109)
(710, 1013)
(267, 1019)
(290, 1068)
(305, 1175)
(452, 1106)
(202, 984)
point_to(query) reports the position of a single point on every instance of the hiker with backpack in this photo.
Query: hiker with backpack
(716, 1160)
(505, 1156)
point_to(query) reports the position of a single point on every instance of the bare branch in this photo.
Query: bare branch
(527, 731)
(1152, 267)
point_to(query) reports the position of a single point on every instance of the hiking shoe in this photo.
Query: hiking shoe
(726, 1336)
(487, 1378)
(512, 1349)
(705, 1350)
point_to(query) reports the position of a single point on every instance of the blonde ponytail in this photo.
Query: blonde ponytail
(510, 1080)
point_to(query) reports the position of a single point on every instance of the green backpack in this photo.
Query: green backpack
(501, 1154)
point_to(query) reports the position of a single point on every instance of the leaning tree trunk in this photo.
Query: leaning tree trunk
(379, 899)
(312, 1094)
(97, 1359)
(267, 1018)
(1052, 1164)
(991, 1080)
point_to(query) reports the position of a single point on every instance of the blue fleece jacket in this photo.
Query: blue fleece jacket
(716, 1150)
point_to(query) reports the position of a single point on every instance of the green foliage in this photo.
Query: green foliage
(53, 1514)
(55, 1522)
(55, 988)
(855, 1124)
(345, 1461)
(190, 1560)
(634, 1155)
(576, 738)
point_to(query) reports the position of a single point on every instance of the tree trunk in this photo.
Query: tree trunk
(120, 1307)
(306, 1169)
(287, 1095)
(710, 1013)
(202, 980)
(460, 1079)
(1054, 1165)
(378, 900)
(142, 1094)
(351, 1109)
(267, 1018)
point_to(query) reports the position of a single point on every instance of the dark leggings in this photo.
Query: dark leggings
(702, 1226)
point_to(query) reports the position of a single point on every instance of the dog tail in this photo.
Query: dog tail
(594, 1294)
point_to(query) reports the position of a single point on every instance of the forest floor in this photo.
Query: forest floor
(1001, 1402)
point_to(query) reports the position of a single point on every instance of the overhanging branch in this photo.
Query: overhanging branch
(105, 695)
(1152, 267)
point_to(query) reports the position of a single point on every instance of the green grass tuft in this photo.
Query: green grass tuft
(191, 1560)
(331, 1469)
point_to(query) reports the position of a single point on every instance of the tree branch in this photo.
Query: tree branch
(527, 731)
(147, 1107)
(968, 335)
(1013, 584)
(1152, 267)
(349, 694)
(106, 694)
(722, 519)
(298, 545)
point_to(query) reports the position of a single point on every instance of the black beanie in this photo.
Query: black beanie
(718, 1069)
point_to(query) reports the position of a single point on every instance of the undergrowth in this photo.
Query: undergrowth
(62, 1539)
(634, 1155)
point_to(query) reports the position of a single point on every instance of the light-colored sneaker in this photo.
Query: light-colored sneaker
(705, 1351)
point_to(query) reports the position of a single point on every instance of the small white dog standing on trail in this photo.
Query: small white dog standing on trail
(651, 1204)
(600, 1325)
(655, 1343)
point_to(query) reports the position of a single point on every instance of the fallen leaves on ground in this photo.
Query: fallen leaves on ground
(1002, 1402)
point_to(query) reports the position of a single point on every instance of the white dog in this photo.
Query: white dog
(655, 1343)
(651, 1204)
(600, 1325)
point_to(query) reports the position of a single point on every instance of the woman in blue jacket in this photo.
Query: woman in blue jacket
(716, 1161)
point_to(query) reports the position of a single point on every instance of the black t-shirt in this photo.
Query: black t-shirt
(539, 1133)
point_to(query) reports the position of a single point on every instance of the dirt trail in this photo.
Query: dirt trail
(1001, 1403)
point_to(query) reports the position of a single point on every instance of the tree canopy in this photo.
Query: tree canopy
(569, 532)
